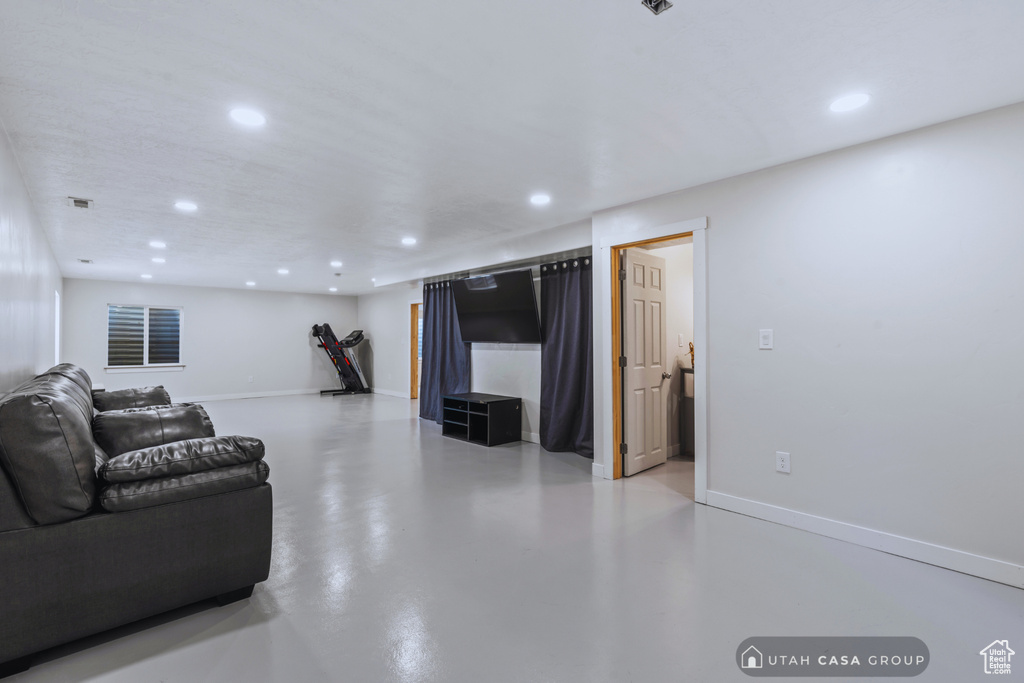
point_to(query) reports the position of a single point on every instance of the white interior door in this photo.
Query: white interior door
(645, 379)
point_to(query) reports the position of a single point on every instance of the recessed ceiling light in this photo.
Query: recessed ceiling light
(408, 241)
(335, 264)
(248, 117)
(282, 271)
(250, 283)
(159, 260)
(146, 276)
(373, 279)
(850, 102)
(156, 244)
(186, 206)
(540, 199)
(333, 289)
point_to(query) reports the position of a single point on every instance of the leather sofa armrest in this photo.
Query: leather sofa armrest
(190, 456)
(122, 431)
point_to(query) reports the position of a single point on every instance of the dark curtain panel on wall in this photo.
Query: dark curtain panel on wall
(567, 357)
(446, 359)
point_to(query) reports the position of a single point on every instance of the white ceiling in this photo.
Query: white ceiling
(439, 119)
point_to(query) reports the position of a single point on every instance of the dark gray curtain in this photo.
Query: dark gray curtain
(446, 358)
(567, 357)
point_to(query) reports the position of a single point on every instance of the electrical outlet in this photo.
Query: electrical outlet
(782, 462)
(251, 378)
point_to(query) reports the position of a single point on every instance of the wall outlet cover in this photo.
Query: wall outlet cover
(782, 462)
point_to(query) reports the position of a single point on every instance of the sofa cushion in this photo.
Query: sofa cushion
(130, 398)
(182, 457)
(47, 449)
(133, 495)
(121, 431)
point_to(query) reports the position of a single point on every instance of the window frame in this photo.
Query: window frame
(147, 366)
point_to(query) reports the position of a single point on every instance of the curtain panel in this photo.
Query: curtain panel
(446, 358)
(567, 357)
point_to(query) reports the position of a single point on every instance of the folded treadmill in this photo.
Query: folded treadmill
(343, 356)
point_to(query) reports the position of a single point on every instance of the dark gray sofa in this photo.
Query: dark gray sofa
(91, 539)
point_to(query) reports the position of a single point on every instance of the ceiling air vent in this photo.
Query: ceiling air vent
(85, 260)
(657, 6)
(80, 203)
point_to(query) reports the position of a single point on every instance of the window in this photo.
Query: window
(140, 336)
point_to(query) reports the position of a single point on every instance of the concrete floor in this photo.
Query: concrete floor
(402, 555)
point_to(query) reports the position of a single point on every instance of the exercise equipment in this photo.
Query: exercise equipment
(343, 356)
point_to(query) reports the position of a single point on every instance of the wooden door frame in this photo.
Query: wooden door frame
(613, 245)
(414, 338)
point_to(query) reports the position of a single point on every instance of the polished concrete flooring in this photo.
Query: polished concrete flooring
(401, 555)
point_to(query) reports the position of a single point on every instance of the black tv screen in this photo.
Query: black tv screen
(498, 308)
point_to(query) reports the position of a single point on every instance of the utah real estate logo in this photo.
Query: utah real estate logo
(997, 657)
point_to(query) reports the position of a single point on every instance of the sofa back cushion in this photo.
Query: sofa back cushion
(121, 431)
(130, 398)
(47, 448)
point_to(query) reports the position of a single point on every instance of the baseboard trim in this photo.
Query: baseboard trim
(388, 392)
(597, 470)
(531, 437)
(253, 394)
(921, 551)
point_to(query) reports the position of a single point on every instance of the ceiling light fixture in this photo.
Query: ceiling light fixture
(849, 102)
(186, 206)
(540, 199)
(250, 283)
(408, 241)
(335, 264)
(157, 259)
(146, 276)
(248, 117)
(282, 271)
(333, 289)
(156, 244)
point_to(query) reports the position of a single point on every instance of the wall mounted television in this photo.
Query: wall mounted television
(499, 308)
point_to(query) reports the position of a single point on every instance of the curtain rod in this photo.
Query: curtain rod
(497, 269)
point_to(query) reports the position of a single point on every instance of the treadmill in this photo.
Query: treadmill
(343, 356)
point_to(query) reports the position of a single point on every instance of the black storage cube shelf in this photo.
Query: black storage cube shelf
(485, 419)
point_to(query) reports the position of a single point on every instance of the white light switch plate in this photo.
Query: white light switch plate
(766, 339)
(681, 342)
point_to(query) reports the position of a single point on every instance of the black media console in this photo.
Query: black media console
(482, 418)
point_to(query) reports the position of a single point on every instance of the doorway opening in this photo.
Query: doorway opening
(653, 339)
(415, 348)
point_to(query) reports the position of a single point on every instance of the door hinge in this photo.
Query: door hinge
(623, 449)
(622, 274)
(622, 361)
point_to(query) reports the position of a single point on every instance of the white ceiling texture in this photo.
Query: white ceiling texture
(438, 120)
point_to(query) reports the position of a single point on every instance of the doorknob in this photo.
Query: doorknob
(666, 375)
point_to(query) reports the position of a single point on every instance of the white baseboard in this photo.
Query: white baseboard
(253, 394)
(597, 470)
(388, 392)
(531, 437)
(940, 556)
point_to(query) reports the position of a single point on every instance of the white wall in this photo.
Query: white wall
(29, 276)
(385, 320)
(228, 335)
(891, 274)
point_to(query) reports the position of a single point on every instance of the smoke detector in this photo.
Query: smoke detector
(657, 6)
(80, 203)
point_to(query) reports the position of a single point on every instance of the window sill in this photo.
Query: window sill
(121, 369)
